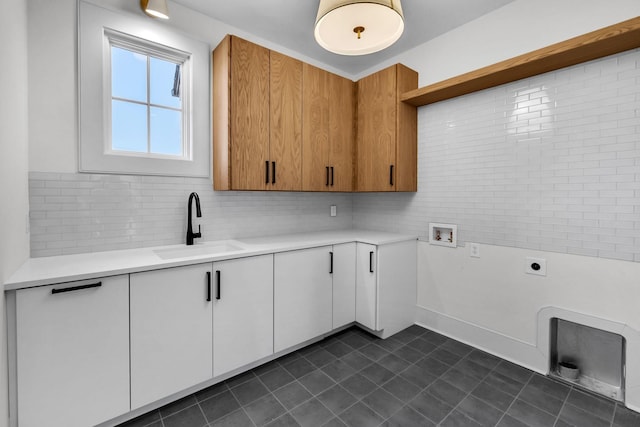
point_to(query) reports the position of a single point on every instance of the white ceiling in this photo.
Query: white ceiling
(289, 23)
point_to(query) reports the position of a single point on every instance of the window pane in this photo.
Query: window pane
(166, 131)
(128, 74)
(128, 126)
(162, 82)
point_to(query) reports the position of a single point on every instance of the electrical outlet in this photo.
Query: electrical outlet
(333, 210)
(474, 250)
(537, 266)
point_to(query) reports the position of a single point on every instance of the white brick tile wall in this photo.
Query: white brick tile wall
(549, 163)
(76, 213)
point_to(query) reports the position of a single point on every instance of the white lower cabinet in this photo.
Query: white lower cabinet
(72, 347)
(303, 296)
(344, 284)
(171, 331)
(386, 286)
(242, 312)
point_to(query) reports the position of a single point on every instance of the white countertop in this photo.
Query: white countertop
(67, 268)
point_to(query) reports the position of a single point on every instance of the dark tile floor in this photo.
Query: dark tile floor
(415, 378)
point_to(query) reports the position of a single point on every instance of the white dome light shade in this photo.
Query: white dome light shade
(358, 27)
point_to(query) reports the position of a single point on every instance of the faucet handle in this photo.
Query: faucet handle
(198, 234)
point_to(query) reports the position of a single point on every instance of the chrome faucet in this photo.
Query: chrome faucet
(190, 234)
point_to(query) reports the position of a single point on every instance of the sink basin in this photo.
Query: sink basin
(199, 249)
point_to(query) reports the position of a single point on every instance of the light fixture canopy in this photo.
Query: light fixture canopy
(358, 27)
(155, 8)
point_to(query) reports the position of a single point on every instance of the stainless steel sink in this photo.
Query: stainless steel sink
(200, 249)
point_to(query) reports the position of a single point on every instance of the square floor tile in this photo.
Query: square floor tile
(320, 358)
(338, 349)
(311, 413)
(356, 360)
(276, 378)
(481, 412)
(493, 396)
(220, 405)
(580, 418)
(373, 351)
(360, 415)
(402, 389)
(337, 399)
(393, 363)
(235, 419)
(358, 385)
(407, 417)
(284, 421)
(461, 380)
(423, 346)
(458, 419)
(418, 376)
(504, 383)
(299, 367)
(382, 402)
(513, 371)
(485, 359)
(316, 382)
(264, 410)
(540, 399)
(445, 356)
(189, 417)
(597, 406)
(433, 366)
(549, 386)
(249, 391)
(409, 354)
(338, 370)
(292, 395)
(377, 374)
(431, 407)
(530, 415)
(446, 392)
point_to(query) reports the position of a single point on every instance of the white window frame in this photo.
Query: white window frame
(149, 49)
(96, 26)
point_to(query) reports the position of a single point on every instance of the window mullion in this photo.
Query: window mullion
(148, 104)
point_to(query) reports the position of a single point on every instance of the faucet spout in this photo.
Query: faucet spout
(190, 234)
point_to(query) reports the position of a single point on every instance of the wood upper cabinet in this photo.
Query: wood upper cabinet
(328, 131)
(386, 143)
(280, 124)
(257, 118)
(285, 143)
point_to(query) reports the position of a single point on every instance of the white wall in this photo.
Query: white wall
(14, 243)
(519, 27)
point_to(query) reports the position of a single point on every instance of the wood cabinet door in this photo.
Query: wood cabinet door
(406, 171)
(315, 129)
(73, 353)
(302, 296)
(341, 132)
(171, 331)
(344, 284)
(242, 312)
(367, 285)
(249, 115)
(285, 145)
(376, 142)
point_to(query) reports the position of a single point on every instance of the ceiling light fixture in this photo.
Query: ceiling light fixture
(358, 27)
(155, 8)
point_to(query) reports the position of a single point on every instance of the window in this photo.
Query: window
(146, 100)
(144, 104)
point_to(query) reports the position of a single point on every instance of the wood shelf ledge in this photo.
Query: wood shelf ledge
(596, 44)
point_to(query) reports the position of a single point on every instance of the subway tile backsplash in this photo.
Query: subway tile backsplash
(550, 163)
(75, 213)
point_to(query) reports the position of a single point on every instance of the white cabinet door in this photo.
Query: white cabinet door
(344, 284)
(171, 331)
(367, 286)
(242, 312)
(397, 284)
(73, 353)
(302, 296)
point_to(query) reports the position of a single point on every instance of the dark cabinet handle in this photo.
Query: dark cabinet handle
(266, 178)
(76, 288)
(217, 284)
(273, 172)
(332, 176)
(331, 262)
(391, 174)
(327, 184)
(371, 262)
(208, 286)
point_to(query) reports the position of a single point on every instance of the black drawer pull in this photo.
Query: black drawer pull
(273, 172)
(327, 184)
(371, 262)
(391, 174)
(76, 288)
(330, 262)
(266, 178)
(332, 176)
(208, 286)
(217, 284)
